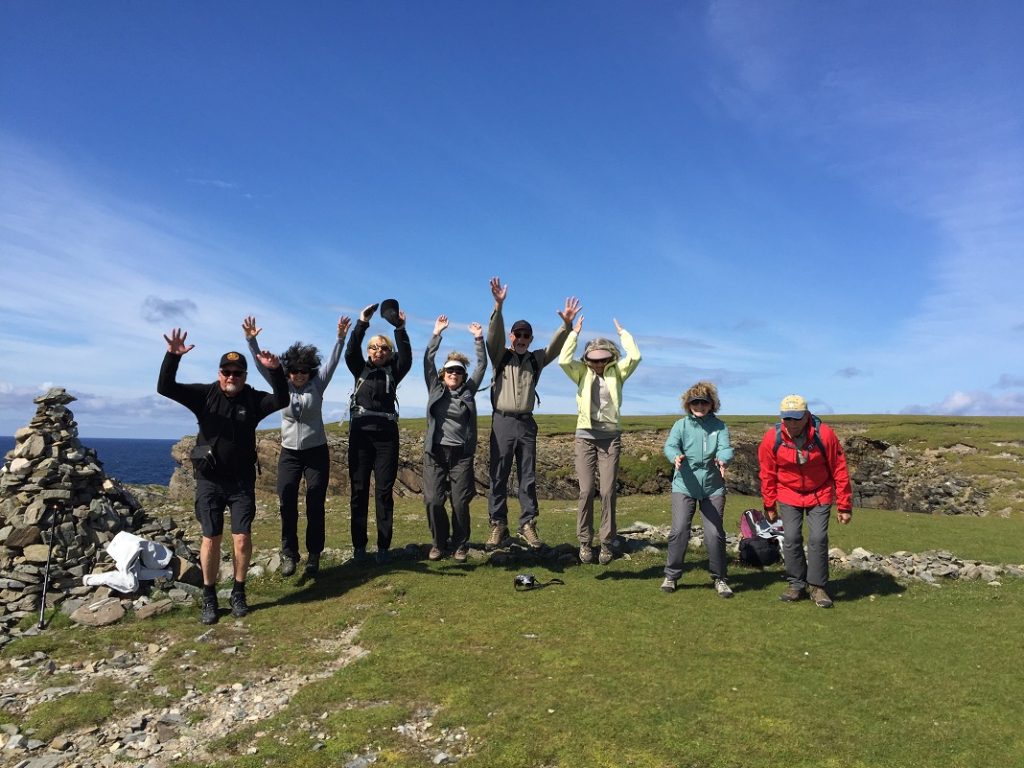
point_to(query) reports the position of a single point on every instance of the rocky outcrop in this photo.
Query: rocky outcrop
(53, 488)
(884, 476)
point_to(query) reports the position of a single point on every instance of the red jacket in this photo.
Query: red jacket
(821, 479)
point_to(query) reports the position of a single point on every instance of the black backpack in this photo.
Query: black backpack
(757, 552)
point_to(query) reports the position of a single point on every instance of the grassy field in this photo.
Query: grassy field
(606, 670)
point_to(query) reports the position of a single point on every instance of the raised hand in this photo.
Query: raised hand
(268, 359)
(579, 325)
(572, 308)
(176, 342)
(498, 291)
(476, 329)
(367, 313)
(618, 327)
(440, 324)
(401, 319)
(344, 323)
(249, 327)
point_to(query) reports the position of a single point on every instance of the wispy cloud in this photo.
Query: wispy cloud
(850, 372)
(1008, 381)
(218, 183)
(977, 403)
(157, 310)
(936, 136)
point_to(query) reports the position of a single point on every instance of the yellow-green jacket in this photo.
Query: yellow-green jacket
(615, 374)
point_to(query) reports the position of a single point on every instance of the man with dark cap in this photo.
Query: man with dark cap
(513, 428)
(228, 412)
(803, 473)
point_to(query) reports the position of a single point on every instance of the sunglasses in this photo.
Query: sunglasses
(299, 371)
(379, 347)
(700, 401)
(522, 335)
(229, 373)
(455, 371)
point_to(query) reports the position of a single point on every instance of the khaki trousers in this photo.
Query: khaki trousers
(597, 461)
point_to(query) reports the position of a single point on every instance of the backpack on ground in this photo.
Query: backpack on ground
(760, 540)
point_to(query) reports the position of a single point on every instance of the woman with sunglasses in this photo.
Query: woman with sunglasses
(373, 425)
(450, 443)
(599, 376)
(304, 452)
(699, 450)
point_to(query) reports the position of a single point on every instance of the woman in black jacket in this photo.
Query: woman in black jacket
(373, 431)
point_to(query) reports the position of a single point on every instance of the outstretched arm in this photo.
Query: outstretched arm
(477, 376)
(251, 332)
(326, 373)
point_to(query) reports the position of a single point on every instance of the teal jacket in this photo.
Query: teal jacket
(701, 441)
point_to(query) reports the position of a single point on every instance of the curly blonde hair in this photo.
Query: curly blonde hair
(702, 390)
(454, 356)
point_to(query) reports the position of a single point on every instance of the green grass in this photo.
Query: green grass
(606, 670)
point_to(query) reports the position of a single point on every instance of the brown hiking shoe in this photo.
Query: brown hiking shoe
(529, 532)
(606, 555)
(461, 554)
(586, 553)
(820, 597)
(435, 553)
(499, 532)
(792, 595)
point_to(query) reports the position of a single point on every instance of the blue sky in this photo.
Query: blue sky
(825, 198)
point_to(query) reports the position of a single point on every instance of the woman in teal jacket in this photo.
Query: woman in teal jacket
(698, 447)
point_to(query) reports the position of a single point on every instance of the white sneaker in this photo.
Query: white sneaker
(668, 585)
(722, 588)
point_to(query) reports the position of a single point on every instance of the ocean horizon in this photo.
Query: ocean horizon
(141, 461)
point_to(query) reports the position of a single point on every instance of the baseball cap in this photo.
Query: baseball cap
(792, 407)
(522, 325)
(236, 359)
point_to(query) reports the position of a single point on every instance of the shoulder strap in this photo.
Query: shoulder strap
(816, 423)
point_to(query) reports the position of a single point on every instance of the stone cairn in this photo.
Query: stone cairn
(49, 477)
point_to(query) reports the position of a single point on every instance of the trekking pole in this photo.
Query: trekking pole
(56, 514)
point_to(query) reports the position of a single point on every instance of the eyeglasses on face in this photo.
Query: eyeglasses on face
(229, 373)
(454, 372)
(522, 335)
(379, 347)
(299, 371)
(700, 401)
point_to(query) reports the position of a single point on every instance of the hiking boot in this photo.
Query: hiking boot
(529, 532)
(210, 608)
(312, 565)
(383, 557)
(722, 588)
(792, 595)
(287, 565)
(586, 553)
(499, 532)
(820, 597)
(239, 608)
(606, 555)
(668, 585)
(461, 554)
(435, 554)
(359, 555)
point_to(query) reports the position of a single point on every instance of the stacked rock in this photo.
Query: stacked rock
(52, 486)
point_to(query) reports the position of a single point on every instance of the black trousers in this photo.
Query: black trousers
(313, 464)
(373, 451)
(448, 471)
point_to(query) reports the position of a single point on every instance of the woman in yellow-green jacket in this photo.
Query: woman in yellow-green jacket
(599, 375)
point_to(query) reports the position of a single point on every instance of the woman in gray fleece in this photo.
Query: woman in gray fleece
(450, 443)
(304, 451)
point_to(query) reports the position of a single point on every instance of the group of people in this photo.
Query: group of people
(802, 469)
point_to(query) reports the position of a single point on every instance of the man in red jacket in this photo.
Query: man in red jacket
(803, 473)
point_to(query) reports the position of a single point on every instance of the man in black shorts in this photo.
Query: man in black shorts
(224, 458)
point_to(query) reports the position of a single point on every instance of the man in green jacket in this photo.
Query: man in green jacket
(513, 428)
